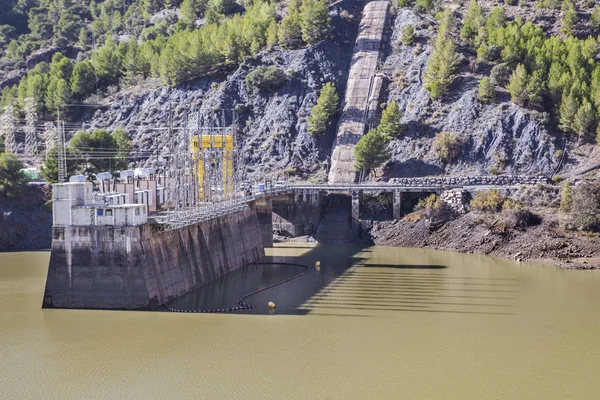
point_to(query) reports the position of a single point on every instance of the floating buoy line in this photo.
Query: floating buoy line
(241, 304)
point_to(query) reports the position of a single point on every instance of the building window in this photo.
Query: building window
(100, 212)
(109, 213)
(137, 211)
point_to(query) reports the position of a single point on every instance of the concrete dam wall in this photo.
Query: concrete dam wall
(142, 267)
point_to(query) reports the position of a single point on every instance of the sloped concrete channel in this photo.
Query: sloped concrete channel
(363, 90)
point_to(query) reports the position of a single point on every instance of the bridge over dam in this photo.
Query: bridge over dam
(113, 255)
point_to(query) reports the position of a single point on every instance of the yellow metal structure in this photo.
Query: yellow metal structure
(209, 151)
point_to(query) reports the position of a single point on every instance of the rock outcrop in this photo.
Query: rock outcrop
(497, 137)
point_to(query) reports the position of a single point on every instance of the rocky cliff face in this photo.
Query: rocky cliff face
(497, 137)
(272, 127)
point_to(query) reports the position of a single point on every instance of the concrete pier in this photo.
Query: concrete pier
(142, 267)
(397, 205)
(264, 212)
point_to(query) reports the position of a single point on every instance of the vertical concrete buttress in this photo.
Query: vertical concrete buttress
(143, 267)
(397, 206)
(264, 213)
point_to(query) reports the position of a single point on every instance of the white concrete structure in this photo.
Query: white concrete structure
(74, 204)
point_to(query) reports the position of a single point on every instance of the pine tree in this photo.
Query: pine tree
(35, 90)
(473, 22)
(290, 32)
(566, 198)
(188, 11)
(486, 92)
(84, 37)
(83, 82)
(517, 86)
(408, 35)
(130, 62)
(444, 59)
(272, 34)
(595, 18)
(61, 67)
(12, 181)
(371, 151)
(325, 108)
(583, 121)
(535, 89)
(62, 95)
(567, 111)
(50, 168)
(390, 124)
(123, 147)
(107, 62)
(314, 21)
(570, 17)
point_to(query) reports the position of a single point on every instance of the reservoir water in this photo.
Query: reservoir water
(374, 322)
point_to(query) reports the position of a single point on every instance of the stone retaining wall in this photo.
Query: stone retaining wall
(490, 180)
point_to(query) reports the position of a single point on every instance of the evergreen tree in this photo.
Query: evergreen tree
(408, 35)
(12, 181)
(390, 124)
(272, 34)
(535, 89)
(486, 92)
(123, 147)
(566, 198)
(444, 59)
(567, 111)
(107, 63)
(595, 18)
(130, 62)
(371, 151)
(314, 21)
(50, 168)
(517, 86)
(61, 67)
(290, 32)
(583, 121)
(62, 96)
(189, 12)
(84, 37)
(35, 90)
(426, 5)
(83, 82)
(570, 17)
(474, 21)
(325, 108)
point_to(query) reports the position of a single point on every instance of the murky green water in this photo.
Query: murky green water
(373, 323)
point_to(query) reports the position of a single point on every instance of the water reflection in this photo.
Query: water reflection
(351, 282)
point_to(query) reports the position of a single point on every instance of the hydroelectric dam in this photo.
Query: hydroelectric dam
(111, 252)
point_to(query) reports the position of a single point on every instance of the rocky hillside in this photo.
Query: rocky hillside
(496, 137)
(272, 127)
(500, 137)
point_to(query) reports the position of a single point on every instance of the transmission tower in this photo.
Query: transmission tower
(31, 148)
(50, 136)
(8, 129)
(61, 158)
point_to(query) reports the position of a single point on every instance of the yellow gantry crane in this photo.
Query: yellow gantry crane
(209, 154)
